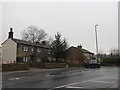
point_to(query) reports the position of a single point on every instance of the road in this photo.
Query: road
(105, 77)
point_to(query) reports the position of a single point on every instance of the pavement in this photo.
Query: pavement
(36, 70)
(105, 77)
(30, 70)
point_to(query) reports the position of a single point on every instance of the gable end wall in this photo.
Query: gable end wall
(9, 51)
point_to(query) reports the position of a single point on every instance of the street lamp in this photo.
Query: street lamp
(96, 40)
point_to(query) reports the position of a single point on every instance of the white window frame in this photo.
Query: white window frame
(32, 49)
(39, 59)
(25, 48)
(49, 51)
(38, 50)
(25, 58)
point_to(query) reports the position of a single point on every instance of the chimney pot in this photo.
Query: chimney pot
(11, 29)
(10, 33)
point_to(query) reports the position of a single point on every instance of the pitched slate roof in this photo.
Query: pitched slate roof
(83, 50)
(29, 43)
(86, 51)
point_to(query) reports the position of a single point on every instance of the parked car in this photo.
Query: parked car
(92, 64)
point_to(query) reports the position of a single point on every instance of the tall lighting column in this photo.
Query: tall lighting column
(96, 40)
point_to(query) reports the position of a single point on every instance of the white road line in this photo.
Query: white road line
(13, 79)
(48, 75)
(17, 78)
(80, 82)
(74, 87)
(102, 81)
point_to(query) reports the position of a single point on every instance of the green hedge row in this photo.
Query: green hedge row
(111, 61)
(15, 67)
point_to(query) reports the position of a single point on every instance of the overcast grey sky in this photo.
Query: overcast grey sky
(74, 20)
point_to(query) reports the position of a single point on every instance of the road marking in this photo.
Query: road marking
(102, 81)
(107, 70)
(17, 78)
(48, 75)
(80, 82)
(13, 79)
(74, 87)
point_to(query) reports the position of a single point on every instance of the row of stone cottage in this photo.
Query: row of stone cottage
(16, 50)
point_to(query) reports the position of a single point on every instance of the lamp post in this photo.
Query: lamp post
(96, 40)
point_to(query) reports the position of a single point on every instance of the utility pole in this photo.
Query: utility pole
(96, 40)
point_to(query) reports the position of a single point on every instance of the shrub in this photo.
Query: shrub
(110, 61)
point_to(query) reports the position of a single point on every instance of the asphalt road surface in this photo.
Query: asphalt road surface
(105, 77)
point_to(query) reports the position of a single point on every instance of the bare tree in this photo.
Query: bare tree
(100, 51)
(49, 41)
(115, 51)
(33, 34)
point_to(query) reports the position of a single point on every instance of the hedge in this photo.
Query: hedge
(111, 61)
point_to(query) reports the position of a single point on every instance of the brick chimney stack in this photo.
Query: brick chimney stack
(11, 33)
(80, 47)
(44, 42)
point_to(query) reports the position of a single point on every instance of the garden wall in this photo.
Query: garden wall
(55, 65)
(37, 65)
(47, 65)
(75, 65)
(15, 67)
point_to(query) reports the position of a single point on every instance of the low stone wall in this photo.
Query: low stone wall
(47, 65)
(15, 67)
(74, 65)
(37, 65)
(55, 65)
